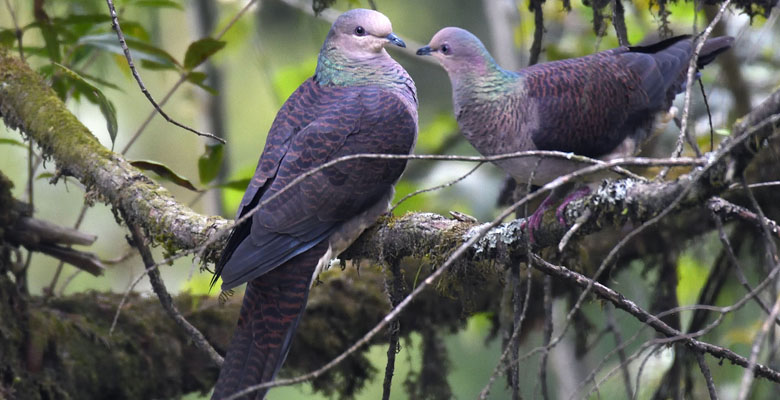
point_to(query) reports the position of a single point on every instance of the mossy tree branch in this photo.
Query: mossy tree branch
(28, 104)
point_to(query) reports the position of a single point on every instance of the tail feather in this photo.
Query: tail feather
(272, 308)
(712, 47)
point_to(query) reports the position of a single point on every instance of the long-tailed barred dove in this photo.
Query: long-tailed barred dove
(603, 105)
(358, 101)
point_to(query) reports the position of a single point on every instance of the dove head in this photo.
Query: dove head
(361, 34)
(459, 52)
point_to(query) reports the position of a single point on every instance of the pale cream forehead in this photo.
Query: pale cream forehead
(374, 22)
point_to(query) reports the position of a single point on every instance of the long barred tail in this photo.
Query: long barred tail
(272, 307)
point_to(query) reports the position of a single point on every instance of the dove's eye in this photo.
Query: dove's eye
(360, 31)
(445, 49)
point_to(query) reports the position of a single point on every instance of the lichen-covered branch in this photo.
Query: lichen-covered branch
(28, 104)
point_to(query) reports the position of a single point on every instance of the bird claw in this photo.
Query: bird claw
(576, 195)
(534, 221)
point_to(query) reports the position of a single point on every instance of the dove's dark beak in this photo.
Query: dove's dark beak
(395, 40)
(424, 51)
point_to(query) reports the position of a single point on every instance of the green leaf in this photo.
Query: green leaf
(238, 184)
(436, 132)
(7, 37)
(164, 172)
(109, 113)
(287, 79)
(100, 81)
(44, 175)
(200, 50)
(155, 66)
(50, 69)
(209, 162)
(95, 96)
(198, 78)
(136, 31)
(12, 142)
(91, 19)
(140, 50)
(51, 41)
(158, 4)
(723, 132)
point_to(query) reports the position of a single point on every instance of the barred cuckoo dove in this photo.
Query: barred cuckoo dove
(359, 100)
(603, 105)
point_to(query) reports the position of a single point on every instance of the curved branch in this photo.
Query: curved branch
(28, 104)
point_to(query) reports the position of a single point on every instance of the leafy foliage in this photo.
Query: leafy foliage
(165, 172)
(200, 50)
(210, 162)
(96, 96)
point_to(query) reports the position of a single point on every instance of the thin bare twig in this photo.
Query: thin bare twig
(546, 335)
(725, 209)
(165, 298)
(709, 118)
(183, 78)
(17, 31)
(623, 364)
(134, 71)
(125, 295)
(749, 376)
(235, 19)
(581, 220)
(126, 255)
(692, 67)
(672, 335)
(501, 364)
(609, 259)
(762, 220)
(76, 225)
(142, 128)
(613, 327)
(434, 188)
(518, 316)
(737, 265)
(393, 286)
(536, 46)
(705, 371)
(651, 344)
(736, 185)
(596, 166)
(654, 349)
(619, 22)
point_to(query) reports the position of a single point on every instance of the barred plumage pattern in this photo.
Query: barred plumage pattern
(602, 105)
(368, 106)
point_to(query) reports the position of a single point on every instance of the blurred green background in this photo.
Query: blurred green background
(269, 51)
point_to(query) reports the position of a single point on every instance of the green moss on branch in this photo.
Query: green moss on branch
(28, 104)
